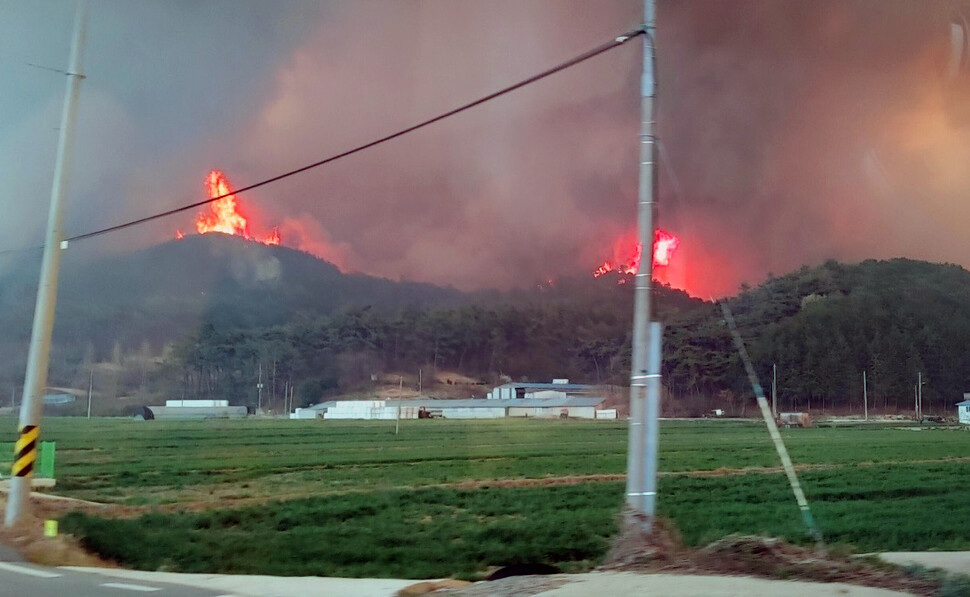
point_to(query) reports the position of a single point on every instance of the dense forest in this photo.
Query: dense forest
(203, 318)
(822, 327)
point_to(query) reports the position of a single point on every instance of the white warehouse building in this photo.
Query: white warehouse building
(546, 408)
(558, 388)
(963, 410)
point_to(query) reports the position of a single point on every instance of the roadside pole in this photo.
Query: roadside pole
(400, 396)
(865, 395)
(774, 390)
(645, 369)
(90, 390)
(259, 389)
(38, 357)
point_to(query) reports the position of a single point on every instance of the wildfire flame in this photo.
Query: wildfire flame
(664, 245)
(628, 251)
(225, 215)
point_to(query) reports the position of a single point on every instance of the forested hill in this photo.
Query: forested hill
(221, 290)
(164, 291)
(824, 326)
(226, 307)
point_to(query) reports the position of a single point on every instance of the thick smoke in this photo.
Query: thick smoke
(803, 131)
(793, 132)
(528, 187)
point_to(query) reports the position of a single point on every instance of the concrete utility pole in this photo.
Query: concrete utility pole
(259, 389)
(38, 357)
(774, 390)
(919, 395)
(90, 390)
(400, 396)
(641, 484)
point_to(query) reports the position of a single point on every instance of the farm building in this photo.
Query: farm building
(558, 388)
(194, 409)
(963, 410)
(571, 407)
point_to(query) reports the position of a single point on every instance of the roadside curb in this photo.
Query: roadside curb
(9, 554)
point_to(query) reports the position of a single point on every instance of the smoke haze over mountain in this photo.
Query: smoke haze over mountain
(793, 132)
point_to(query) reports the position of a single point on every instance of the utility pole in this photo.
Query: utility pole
(38, 357)
(90, 389)
(916, 399)
(865, 395)
(420, 383)
(641, 485)
(774, 390)
(919, 396)
(259, 389)
(400, 395)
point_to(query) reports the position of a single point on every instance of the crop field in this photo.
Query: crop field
(449, 498)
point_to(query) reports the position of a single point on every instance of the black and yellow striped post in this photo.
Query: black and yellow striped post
(25, 452)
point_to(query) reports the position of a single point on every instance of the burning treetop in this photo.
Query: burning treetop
(627, 252)
(225, 215)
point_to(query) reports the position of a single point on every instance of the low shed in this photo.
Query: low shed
(193, 412)
(963, 412)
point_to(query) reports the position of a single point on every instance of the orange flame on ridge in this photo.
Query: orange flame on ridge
(224, 214)
(627, 253)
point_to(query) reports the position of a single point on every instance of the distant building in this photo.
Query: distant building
(558, 387)
(194, 409)
(549, 408)
(963, 410)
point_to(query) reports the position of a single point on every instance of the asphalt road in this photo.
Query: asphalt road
(26, 580)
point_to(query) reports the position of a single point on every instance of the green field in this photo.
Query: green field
(353, 499)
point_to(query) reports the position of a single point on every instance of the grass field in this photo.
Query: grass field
(452, 497)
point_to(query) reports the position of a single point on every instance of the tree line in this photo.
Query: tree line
(822, 327)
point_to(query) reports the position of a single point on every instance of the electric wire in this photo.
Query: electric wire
(580, 58)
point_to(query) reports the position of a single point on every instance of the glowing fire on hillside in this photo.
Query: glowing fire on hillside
(225, 215)
(627, 252)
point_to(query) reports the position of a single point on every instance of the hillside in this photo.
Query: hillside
(227, 296)
(159, 293)
(824, 326)
(231, 307)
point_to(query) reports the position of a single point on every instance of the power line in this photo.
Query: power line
(600, 49)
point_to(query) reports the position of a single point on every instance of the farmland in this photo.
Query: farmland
(451, 497)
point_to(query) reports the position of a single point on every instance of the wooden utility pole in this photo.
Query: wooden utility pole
(865, 395)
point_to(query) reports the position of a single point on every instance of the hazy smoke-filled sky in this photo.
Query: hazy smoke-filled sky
(794, 132)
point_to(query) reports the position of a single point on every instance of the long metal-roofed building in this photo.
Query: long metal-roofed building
(522, 390)
(193, 409)
(580, 407)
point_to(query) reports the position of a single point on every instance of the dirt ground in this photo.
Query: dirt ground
(28, 540)
(663, 552)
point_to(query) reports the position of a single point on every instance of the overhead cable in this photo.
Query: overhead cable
(600, 49)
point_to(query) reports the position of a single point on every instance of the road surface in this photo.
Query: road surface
(18, 578)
